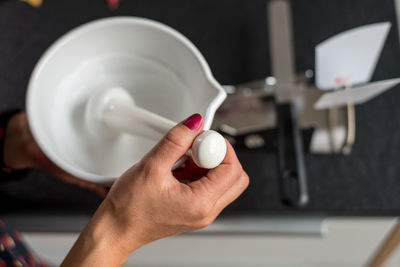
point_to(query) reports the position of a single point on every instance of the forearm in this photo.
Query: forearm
(99, 244)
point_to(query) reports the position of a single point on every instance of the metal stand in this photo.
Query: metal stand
(284, 103)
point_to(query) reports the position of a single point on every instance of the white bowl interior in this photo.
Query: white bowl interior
(160, 68)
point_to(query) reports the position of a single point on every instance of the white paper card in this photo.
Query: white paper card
(349, 57)
(356, 95)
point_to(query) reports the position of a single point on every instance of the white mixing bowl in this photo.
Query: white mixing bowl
(161, 69)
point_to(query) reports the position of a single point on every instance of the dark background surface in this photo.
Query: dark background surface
(232, 35)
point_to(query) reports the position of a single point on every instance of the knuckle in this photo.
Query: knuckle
(238, 170)
(234, 171)
(200, 211)
(246, 180)
(203, 211)
(174, 139)
(204, 223)
(228, 170)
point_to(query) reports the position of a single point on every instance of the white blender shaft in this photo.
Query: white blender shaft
(122, 115)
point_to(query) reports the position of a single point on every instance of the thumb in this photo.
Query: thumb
(176, 142)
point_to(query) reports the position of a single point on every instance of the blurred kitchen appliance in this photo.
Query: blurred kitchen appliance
(292, 115)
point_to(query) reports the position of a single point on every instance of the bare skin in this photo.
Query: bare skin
(148, 202)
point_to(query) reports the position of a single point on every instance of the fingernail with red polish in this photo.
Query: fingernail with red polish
(193, 122)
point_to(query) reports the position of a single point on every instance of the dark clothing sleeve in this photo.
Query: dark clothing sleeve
(13, 251)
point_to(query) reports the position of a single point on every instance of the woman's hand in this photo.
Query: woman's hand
(22, 152)
(148, 202)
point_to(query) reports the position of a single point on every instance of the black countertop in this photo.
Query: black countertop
(232, 35)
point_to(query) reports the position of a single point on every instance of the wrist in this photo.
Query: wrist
(102, 242)
(106, 226)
